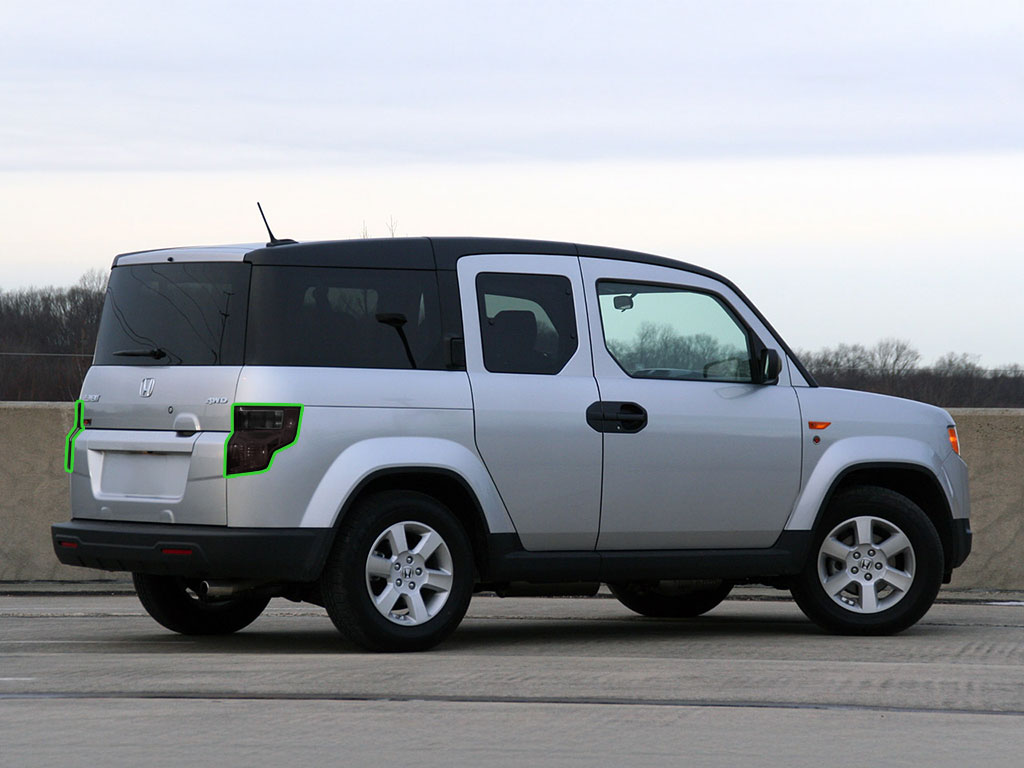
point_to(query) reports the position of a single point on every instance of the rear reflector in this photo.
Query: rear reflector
(69, 544)
(169, 551)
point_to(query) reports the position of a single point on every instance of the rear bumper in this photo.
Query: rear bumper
(194, 551)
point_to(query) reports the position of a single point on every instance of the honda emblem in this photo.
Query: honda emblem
(146, 387)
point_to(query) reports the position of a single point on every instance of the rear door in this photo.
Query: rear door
(696, 455)
(529, 363)
(157, 401)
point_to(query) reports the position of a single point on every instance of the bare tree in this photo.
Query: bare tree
(893, 358)
(391, 224)
(843, 360)
(953, 364)
(364, 234)
(94, 280)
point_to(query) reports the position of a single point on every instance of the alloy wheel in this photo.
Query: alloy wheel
(409, 573)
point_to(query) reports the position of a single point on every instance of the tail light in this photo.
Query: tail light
(257, 433)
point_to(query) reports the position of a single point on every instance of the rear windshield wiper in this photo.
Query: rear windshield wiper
(156, 353)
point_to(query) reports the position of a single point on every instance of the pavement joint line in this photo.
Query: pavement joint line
(455, 699)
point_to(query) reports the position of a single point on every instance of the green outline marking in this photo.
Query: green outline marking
(69, 441)
(298, 429)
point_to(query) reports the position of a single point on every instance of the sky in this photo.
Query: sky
(856, 167)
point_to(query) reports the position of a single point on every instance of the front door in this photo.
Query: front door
(529, 364)
(696, 455)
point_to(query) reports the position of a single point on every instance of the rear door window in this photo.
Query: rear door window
(527, 322)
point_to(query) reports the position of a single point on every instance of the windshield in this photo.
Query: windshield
(174, 314)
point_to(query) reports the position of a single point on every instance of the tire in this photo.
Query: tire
(671, 599)
(875, 567)
(173, 602)
(400, 574)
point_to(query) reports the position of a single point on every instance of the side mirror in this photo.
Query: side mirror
(622, 303)
(771, 366)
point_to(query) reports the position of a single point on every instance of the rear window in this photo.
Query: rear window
(342, 317)
(174, 314)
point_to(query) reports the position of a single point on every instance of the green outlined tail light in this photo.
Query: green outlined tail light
(69, 441)
(257, 433)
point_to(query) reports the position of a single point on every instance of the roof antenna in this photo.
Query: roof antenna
(273, 240)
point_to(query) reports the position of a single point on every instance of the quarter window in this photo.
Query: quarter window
(344, 318)
(664, 332)
(527, 322)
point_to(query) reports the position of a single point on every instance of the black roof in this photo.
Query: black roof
(439, 253)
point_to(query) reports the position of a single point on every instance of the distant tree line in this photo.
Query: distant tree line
(892, 367)
(47, 337)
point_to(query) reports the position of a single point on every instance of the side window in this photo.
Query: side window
(527, 322)
(344, 318)
(663, 332)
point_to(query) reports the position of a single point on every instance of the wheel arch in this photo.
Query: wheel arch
(444, 485)
(913, 481)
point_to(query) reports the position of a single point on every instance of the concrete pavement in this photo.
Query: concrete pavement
(89, 679)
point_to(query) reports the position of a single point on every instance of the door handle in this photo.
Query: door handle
(630, 418)
(613, 416)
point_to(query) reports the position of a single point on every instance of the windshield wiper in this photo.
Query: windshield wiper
(156, 353)
(396, 320)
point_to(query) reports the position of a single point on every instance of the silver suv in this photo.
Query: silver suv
(384, 427)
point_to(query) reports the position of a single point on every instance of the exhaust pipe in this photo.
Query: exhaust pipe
(222, 590)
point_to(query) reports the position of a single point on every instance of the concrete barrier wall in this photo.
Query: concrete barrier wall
(34, 493)
(992, 444)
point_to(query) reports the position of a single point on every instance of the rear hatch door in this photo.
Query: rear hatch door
(157, 401)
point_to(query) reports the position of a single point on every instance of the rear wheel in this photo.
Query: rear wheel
(400, 574)
(876, 564)
(671, 599)
(175, 603)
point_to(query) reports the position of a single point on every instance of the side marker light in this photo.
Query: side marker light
(818, 424)
(954, 440)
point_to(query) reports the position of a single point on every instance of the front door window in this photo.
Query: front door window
(665, 332)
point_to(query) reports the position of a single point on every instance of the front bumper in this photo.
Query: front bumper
(960, 544)
(194, 551)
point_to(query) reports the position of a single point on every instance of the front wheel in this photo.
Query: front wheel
(671, 599)
(175, 603)
(876, 565)
(400, 574)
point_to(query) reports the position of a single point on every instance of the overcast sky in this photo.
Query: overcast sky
(857, 167)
